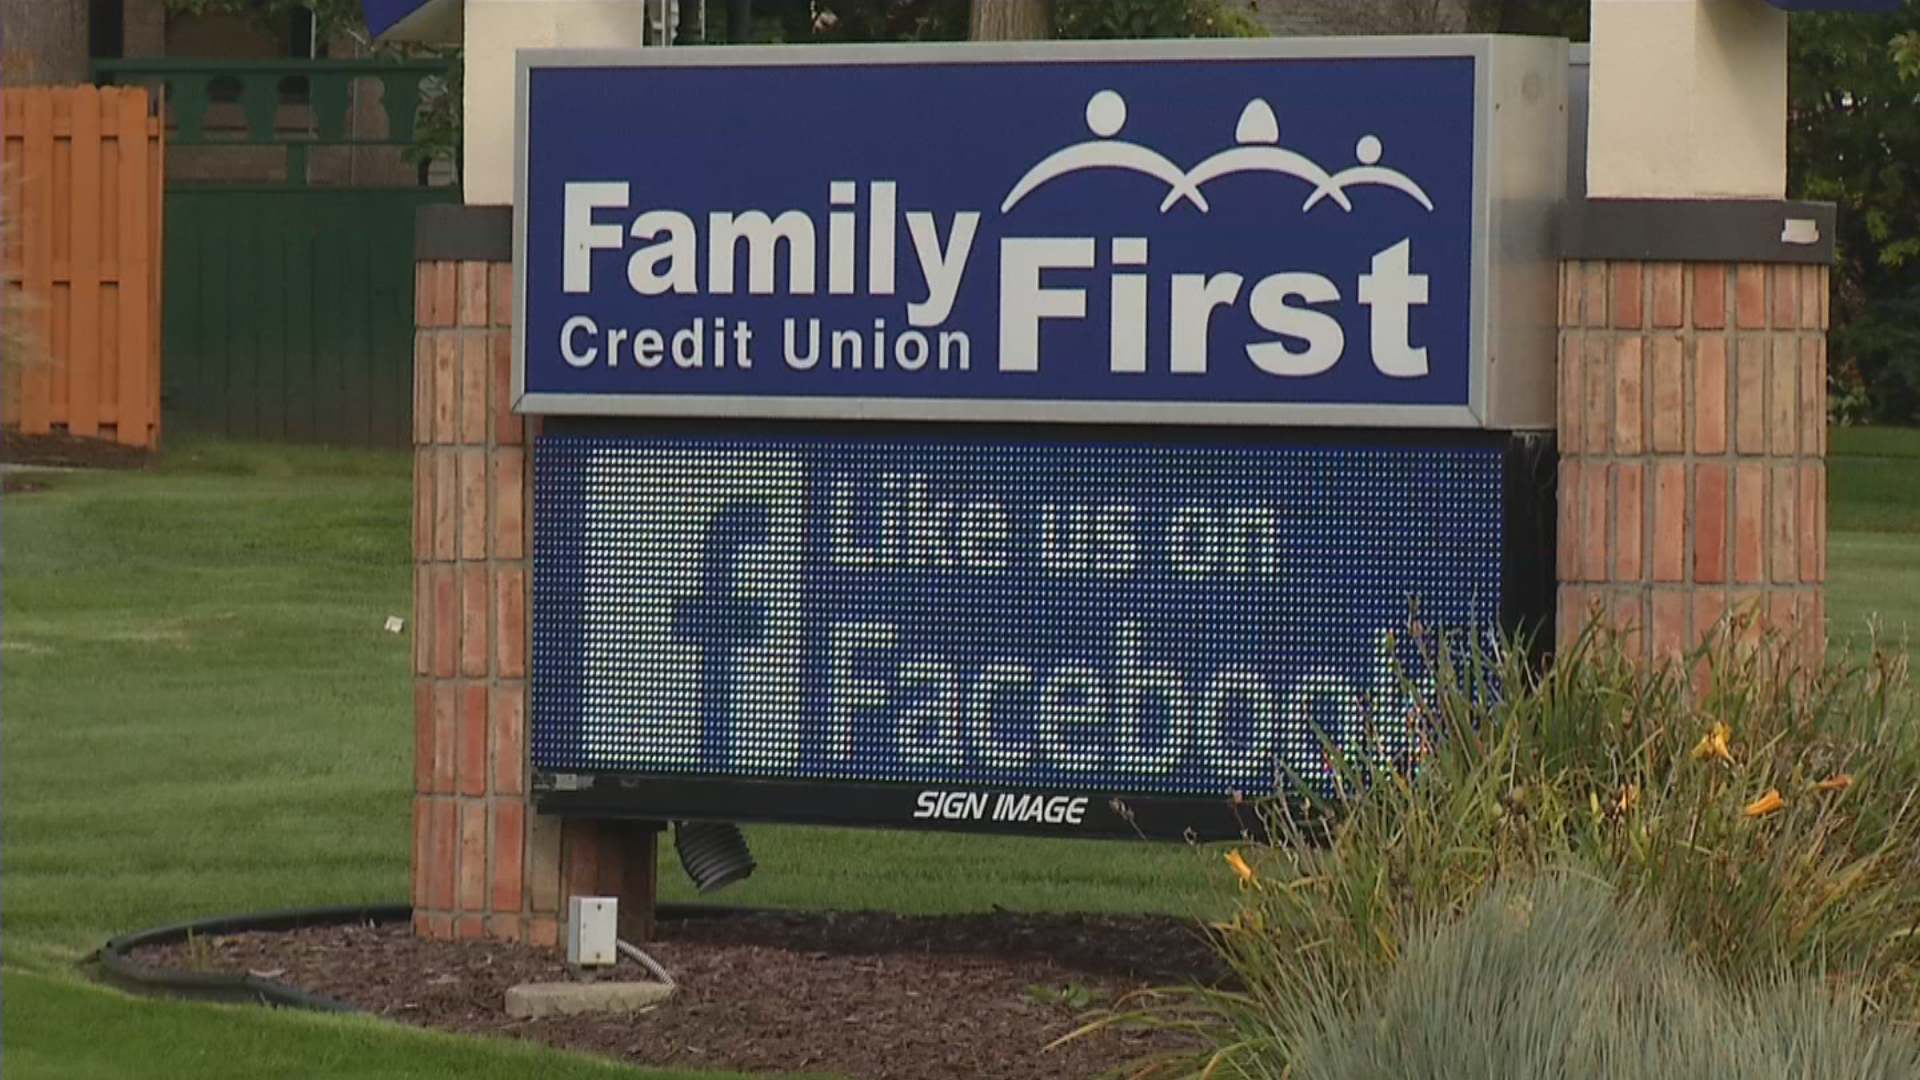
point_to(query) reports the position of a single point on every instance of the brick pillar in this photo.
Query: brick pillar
(484, 863)
(1692, 433)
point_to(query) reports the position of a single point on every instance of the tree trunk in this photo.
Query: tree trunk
(43, 42)
(693, 23)
(1011, 20)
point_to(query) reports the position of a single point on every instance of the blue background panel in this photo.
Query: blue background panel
(956, 141)
(1107, 616)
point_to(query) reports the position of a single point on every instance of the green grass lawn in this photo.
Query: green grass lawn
(204, 715)
(1873, 544)
(58, 1028)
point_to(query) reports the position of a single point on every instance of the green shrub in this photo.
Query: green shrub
(1154, 19)
(1771, 812)
(1554, 978)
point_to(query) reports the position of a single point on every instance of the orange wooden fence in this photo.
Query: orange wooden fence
(81, 213)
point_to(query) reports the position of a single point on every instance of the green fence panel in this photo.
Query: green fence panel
(289, 312)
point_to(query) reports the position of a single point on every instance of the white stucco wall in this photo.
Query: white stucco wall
(1689, 97)
(1689, 100)
(494, 29)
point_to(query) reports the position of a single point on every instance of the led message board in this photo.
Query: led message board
(1039, 439)
(1265, 232)
(996, 632)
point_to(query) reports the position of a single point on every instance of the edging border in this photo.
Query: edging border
(128, 974)
(122, 970)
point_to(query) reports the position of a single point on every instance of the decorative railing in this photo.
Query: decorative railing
(296, 104)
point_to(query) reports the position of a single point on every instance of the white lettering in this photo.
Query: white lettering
(986, 707)
(956, 350)
(850, 693)
(910, 350)
(1223, 691)
(797, 360)
(848, 346)
(1389, 292)
(930, 731)
(1024, 302)
(840, 238)
(943, 270)
(680, 250)
(882, 208)
(1193, 540)
(581, 237)
(1248, 535)
(576, 325)
(951, 805)
(1072, 705)
(689, 344)
(648, 348)
(1137, 690)
(1325, 340)
(1127, 310)
(743, 346)
(763, 236)
(1195, 296)
(1115, 540)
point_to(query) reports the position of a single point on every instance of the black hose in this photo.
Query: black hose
(121, 969)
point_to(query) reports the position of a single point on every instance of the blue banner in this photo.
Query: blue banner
(1097, 616)
(1231, 237)
(413, 20)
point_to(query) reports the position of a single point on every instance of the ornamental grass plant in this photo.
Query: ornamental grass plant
(1766, 809)
(1558, 976)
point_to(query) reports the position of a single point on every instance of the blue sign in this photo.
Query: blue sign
(413, 20)
(1263, 234)
(1036, 613)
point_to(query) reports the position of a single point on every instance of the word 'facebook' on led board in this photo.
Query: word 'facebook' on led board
(975, 618)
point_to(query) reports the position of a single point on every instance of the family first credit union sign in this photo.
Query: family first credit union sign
(1262, 232)
(772, 581)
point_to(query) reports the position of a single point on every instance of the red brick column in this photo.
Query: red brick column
(1692, 434)
(484, 863)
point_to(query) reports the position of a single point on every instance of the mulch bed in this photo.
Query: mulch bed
(866, 996)
(70, 452)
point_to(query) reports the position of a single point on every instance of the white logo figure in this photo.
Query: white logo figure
(1258, 150)
(1369, 171)
(1258, 134)
(1106, 115)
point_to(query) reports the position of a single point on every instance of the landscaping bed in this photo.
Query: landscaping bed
(865, 995)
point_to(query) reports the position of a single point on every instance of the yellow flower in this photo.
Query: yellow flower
(1628, 799)
(1766, 804)
(1836, 783)
(1241, 868)
(1714, 746)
